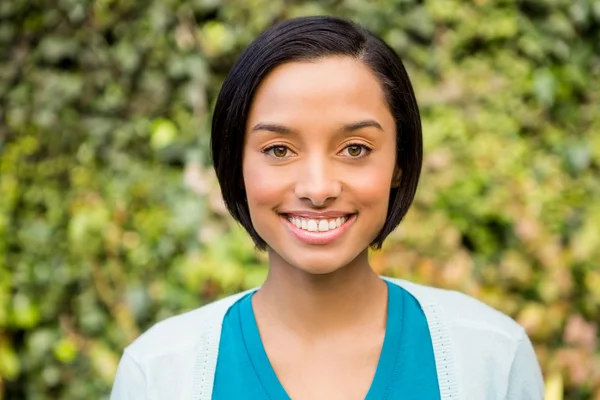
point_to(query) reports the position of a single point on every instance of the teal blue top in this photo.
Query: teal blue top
(406, 367)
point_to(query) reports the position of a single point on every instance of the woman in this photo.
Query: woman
(316, 141)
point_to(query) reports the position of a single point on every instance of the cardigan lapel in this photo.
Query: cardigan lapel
(439, 330)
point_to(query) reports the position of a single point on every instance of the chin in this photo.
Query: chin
(318, 268)
(318, 263)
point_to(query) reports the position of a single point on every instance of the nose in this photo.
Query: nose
(317, 183)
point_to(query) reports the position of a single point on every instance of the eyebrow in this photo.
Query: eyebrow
(271, 128)
(346, 128)
(362, 124)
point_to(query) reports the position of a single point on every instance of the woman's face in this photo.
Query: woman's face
(319, 158)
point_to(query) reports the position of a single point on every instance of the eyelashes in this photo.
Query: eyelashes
(351, 150)
(277, 151)
(357, 150)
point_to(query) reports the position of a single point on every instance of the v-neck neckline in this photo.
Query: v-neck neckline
(385, 365)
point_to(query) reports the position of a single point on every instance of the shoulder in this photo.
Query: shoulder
(181, 333)
(463, 311)
(488, 351)
(163, 361)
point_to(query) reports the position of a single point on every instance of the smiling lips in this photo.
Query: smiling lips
(317, 225)
(318, 230)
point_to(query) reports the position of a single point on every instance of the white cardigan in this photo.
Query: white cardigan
(479, 352)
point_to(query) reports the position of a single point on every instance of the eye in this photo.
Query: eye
(356, 150)
(278, 151)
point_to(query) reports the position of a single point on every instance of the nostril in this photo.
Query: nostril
(318, 191)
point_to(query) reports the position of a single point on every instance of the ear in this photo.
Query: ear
(396, 178)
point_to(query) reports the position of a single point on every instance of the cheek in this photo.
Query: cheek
(263, 186)
(371, 188)
(372, 184)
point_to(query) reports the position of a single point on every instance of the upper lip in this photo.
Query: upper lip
(317, 215)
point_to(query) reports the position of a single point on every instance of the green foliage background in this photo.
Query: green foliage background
(111, 218)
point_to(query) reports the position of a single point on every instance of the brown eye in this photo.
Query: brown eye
(279, 151)
(355, 150)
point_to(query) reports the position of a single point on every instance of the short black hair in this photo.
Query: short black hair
(306, 39)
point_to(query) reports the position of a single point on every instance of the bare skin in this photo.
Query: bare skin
(323, 338)
(322, 311)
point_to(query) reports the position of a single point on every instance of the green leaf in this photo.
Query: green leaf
(164, 132)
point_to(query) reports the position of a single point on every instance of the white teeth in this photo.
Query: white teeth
(323, 225)
(317, 225)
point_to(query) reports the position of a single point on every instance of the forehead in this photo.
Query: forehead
(327, 86)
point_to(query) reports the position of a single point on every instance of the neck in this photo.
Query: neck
(313, 305)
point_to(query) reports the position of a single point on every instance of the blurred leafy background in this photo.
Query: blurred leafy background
(111, 218)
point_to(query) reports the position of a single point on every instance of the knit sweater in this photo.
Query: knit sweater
(480, 353)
